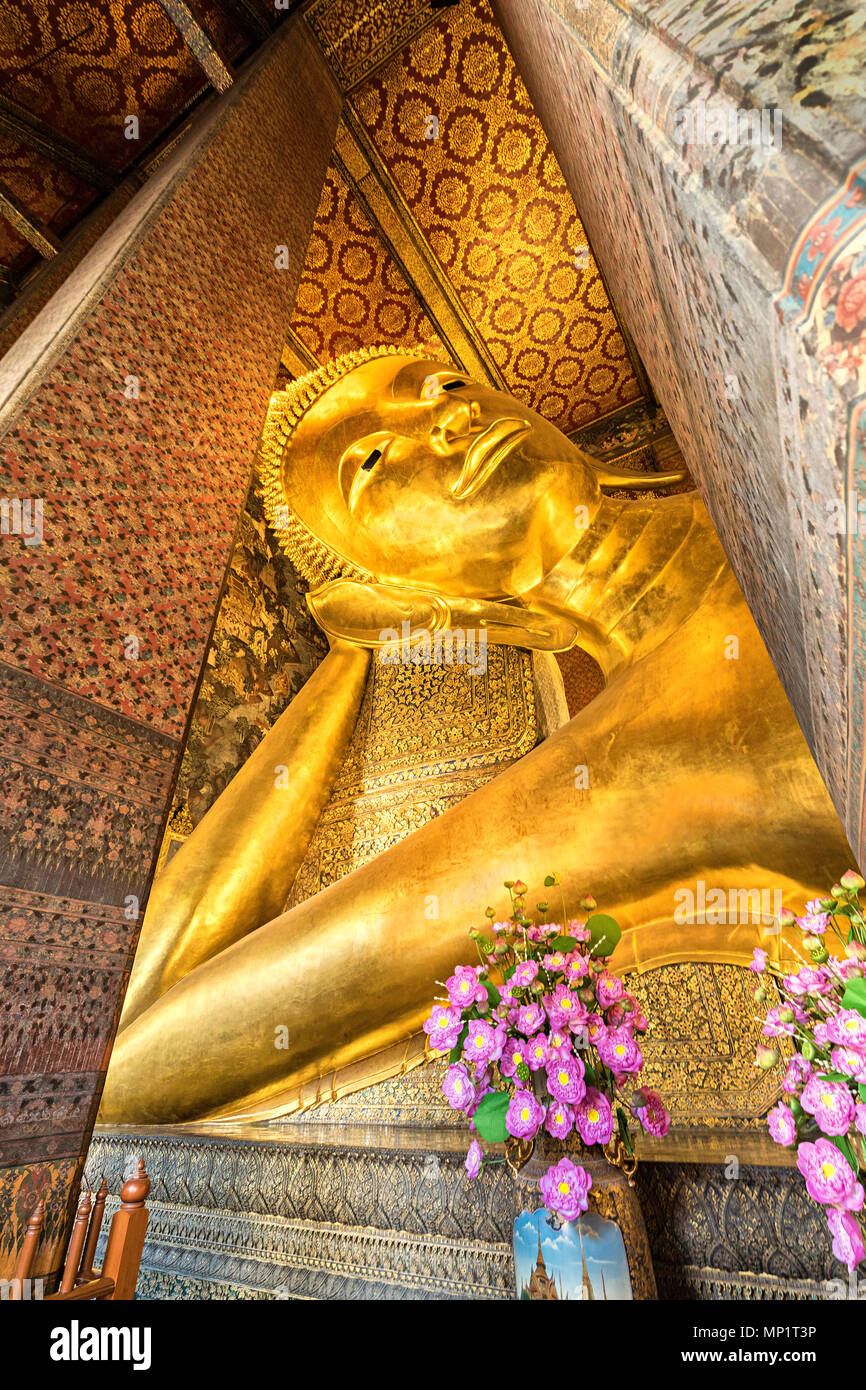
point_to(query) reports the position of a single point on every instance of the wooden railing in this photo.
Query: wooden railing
(120, 1264)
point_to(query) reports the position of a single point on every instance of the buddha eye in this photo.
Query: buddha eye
(371, 459)
(434, 385)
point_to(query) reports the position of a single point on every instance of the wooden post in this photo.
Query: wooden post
(73, 1255)
(126, 1236)
(86, 1269)
(24, 1263)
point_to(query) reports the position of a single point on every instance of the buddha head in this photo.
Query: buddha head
(391, 468)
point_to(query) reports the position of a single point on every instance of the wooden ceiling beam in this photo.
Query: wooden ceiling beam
(27, 130)
(248, 17)
(27, 226)
(200, 44)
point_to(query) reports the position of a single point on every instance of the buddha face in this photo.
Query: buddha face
(423, 477)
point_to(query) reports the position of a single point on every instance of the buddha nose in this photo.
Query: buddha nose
(456, 424)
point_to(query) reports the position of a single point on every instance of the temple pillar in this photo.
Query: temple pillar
(739, 267)
(130, 410)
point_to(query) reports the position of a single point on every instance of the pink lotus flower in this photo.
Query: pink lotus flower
(782, 1126)
(776, 1027)
(808, 981)
(530, 1017)
(524, 974)
(579, 930)
(814, 923)
(860, 1117)
(830, 1102)
(596, 1029)
(443, 1027)
(576, 968)
(619, 1051)
(563, 1007)
(594, 1117)
(474, 1159)
(847, 1237)
(464, 987)
(565, 1189)
(609, 989)
(758, 962)
(513, 1054)
(554, 961)
(483, 1043)
(565, 1079)
(524, 1116)
(457, 1088)
(847, 1029)
(652, 1114)
(638, 1021)
(829, 1176)
(559, 1043)
(537, 1052)
(560, 1120)
(848, 1060)
(797, 1073)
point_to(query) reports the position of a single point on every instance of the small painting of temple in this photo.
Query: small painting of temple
(583, 1259)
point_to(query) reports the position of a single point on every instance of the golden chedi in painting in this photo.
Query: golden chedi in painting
(407, 494)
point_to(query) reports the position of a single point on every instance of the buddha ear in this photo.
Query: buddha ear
(376, 615)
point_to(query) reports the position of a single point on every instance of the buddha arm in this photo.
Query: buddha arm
(235, 870)
(697, 771)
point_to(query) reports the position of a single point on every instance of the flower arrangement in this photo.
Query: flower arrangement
(823, 1011)
(542, 1034)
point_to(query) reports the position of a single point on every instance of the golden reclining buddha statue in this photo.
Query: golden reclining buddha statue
(406, 493)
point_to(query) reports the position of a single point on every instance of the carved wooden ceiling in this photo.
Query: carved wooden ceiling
(72, 71)
(444, 221)
(465, 209)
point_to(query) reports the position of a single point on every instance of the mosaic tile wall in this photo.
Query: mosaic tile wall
(101, 658)
(739, 269)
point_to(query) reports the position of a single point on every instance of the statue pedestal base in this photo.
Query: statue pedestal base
(314, 1211)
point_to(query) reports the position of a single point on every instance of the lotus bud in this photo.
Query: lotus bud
(855, 950)
(488, 912)
(519, 887)
(811, 942)
(474, 935)
(787, 918)
(766, 1057)
(852, 881)
(501, 949)
(786, 1015)
(760, 995)
(837, 891)
(808, 1050)
(588, 902)
(537, 987)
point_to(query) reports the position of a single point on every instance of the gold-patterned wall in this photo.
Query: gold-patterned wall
(488, 196)
(352, 294)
